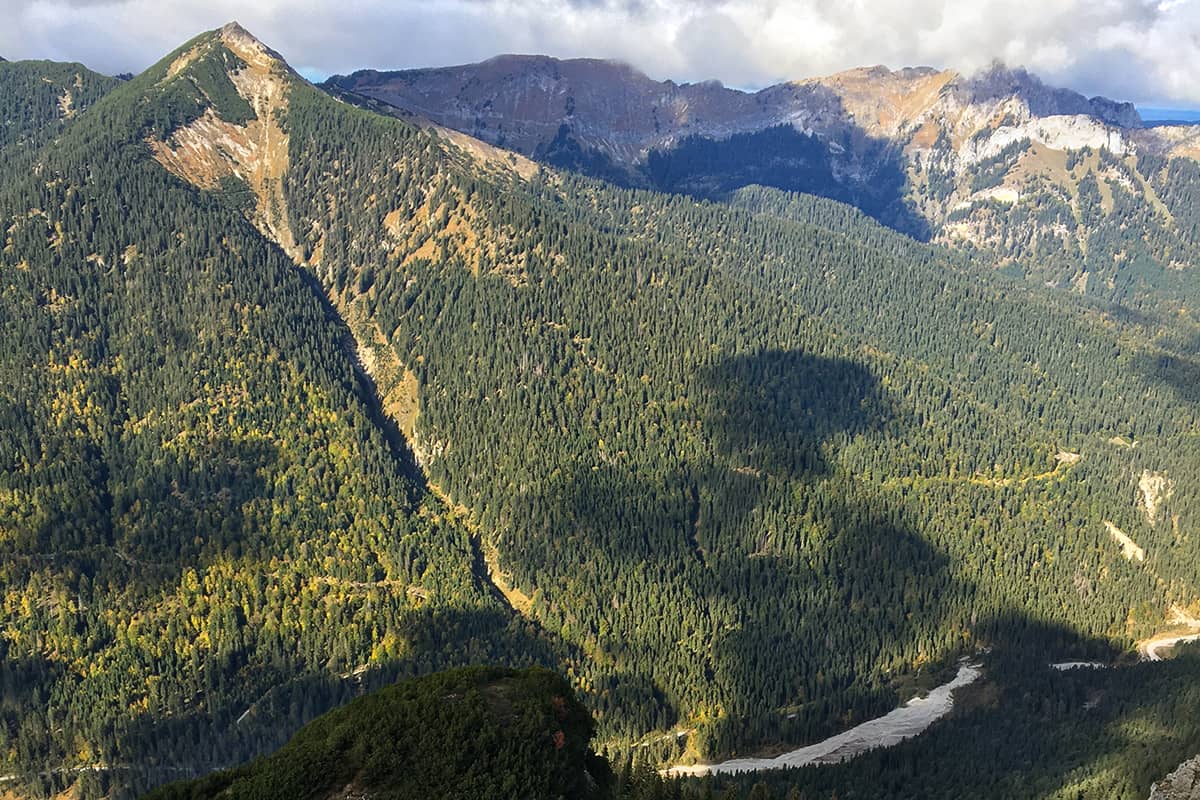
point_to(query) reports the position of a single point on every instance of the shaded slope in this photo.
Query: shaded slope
(1031, 732)
(469, 733)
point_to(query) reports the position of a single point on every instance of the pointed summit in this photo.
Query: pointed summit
(234, 28)
(231, 38)
(249, 47)
(238, 90)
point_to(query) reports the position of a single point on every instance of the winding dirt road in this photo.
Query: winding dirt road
(907, 721)
(1152, 649)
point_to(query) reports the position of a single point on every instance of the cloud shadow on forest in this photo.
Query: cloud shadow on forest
(1180, 373)
(788, 587)
(753, 553)
(1033, 731)
(774, 410)
(204, 487)
(802, 622)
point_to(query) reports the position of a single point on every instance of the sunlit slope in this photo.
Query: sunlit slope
(205, 536)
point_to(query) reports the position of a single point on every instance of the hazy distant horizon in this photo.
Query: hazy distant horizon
(1152, 114)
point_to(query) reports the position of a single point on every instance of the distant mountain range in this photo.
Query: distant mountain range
(978, 160)
(525, 102)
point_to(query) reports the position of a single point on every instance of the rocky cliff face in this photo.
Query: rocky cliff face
(998, 82)
(1182, 784)
(524, 102)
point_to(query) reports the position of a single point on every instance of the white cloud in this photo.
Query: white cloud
(1142, 50)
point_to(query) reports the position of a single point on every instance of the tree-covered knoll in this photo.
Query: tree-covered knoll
(480, 732)
(38, 97)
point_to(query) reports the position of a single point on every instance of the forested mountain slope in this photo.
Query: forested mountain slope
(36, 97)
(705, 428)
(747, 472)
(202, 524)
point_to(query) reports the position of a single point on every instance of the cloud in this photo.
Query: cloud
(1142, 50)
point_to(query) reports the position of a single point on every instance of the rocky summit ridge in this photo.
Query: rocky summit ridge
(525, 102)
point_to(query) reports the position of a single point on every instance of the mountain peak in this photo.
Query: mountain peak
(998, 80)
(240, 88)
(999, 73)
(233, 33)
(234, 39)
(879, 75)
(234, 28)
(249, 47)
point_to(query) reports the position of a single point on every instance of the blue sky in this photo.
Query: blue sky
(1146, 51)
(1151, 114)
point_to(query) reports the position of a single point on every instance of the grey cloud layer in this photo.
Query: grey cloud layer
(1141, 50)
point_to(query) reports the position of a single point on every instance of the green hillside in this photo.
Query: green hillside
(468, 733)
(755, 469)
(37, 98)
(296, 398)
(205, 536)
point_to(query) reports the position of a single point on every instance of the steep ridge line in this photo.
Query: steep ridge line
(211, 149)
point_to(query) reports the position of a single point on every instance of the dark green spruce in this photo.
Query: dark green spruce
(752, 471)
